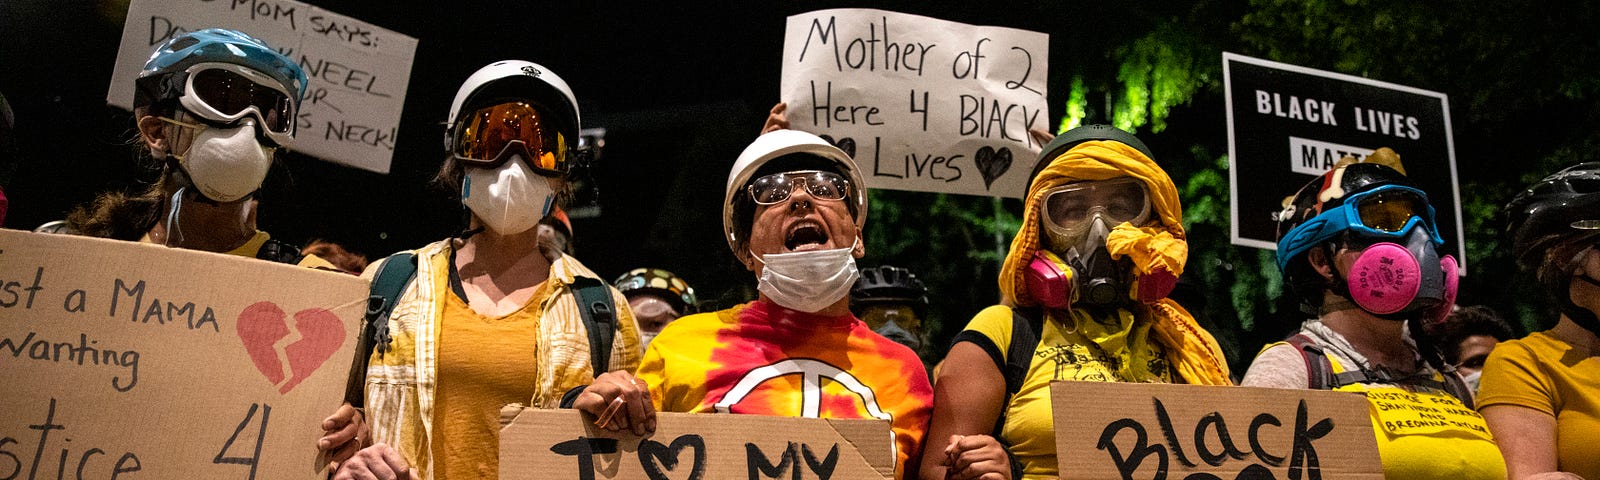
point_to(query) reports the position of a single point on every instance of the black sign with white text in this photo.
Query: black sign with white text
(1287, 124)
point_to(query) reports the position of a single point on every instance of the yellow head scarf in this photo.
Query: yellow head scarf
(1192, 352)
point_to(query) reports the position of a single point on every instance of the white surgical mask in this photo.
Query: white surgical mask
(1471, 380)
(645, 338)
(509, 199)
(808, 281)
(225, 164)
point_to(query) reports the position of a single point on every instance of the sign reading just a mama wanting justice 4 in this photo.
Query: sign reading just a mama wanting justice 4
(1287, 124)
(132, 360)
(921, 104)
(1165, 431)
(358, 71)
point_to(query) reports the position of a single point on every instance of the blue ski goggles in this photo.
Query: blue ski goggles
(1386, 212)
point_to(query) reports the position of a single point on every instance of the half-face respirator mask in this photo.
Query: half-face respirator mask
(1077, 268)
(1399, 272)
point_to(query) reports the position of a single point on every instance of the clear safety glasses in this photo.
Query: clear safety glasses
(489, 136)
(1069, 209)
(225, 93)
(775, 188)
(1389, 211)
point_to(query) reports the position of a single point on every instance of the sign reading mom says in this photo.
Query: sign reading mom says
(542, 444)
(1164, 431)
(144, 361)
(921, 104)
(358, 71)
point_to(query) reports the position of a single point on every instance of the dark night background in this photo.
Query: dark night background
(682, 87)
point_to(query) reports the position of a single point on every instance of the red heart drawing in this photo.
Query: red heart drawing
(262, 325)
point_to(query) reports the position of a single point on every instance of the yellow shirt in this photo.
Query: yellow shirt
(1422, 432)
(1114, 351)
(402, 384)
(1546, 374)
(475, 380)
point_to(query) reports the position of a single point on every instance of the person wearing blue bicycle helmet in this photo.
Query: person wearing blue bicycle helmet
(213, 106)
(1358, 245)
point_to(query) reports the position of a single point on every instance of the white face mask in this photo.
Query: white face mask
(1471, 380)
(808, 281)
(645, 338)
(510, 199)
(225, 164)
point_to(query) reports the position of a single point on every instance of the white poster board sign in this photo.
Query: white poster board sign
(358, 71)
(922, 104)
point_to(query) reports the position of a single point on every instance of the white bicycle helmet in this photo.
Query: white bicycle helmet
(515, 79)
(775, 145)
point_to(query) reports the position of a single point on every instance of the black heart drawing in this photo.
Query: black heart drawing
(847, 144)
(992, 164)
(653, 456)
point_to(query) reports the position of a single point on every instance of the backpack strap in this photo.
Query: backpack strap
(599, 318)
(1319, 371)
(1320, 375)
(398, 271)
(274, 250)
(1025, 325)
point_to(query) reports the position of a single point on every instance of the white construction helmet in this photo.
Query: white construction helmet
(519, 80)
(775, 145)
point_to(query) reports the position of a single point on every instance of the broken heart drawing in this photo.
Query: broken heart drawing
(992, 164)
(262, 325)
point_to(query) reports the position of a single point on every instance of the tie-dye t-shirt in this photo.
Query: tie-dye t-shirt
(763, 359)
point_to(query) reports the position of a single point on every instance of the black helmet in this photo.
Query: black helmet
(1552, 210)
(888, 284)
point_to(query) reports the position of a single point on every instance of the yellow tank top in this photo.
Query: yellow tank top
(1428, 434)
(484, 363)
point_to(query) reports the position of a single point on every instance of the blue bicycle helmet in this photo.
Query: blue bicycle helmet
(165, 76)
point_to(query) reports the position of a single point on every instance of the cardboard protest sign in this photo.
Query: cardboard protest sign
(921, 103)
(1159, 431)
(133, 359)
(542, 444)
(358, 71)
(1287, 124)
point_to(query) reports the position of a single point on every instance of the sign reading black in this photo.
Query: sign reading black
(1287, 124)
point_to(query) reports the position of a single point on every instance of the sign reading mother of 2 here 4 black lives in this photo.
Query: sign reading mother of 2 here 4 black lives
(921, 104)
(1287, 124)
(358, 72)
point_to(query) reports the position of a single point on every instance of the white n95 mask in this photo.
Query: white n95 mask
(225, 164)
(509, 199)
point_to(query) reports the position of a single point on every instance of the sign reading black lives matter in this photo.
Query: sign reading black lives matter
(1160, 431)
(1287, 124)
(921, 104)
(358, 71)
(132, 360)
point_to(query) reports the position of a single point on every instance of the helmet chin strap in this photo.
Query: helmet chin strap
(1582, 316)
